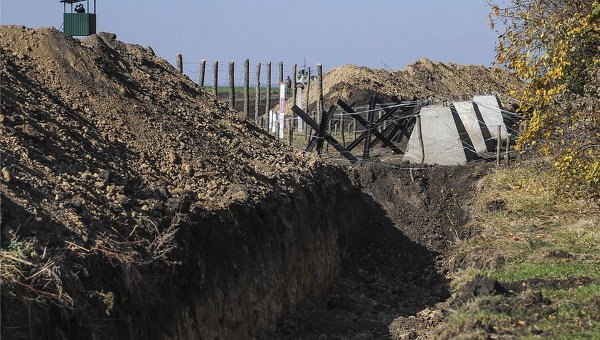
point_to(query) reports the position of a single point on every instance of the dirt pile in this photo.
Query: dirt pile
(136, 206)
(127, 190)
(422, 79)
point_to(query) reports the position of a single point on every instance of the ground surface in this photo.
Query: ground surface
(107, 150)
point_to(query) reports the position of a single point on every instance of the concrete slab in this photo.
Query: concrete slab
(491, 114)
(468, 116)
(441, 139)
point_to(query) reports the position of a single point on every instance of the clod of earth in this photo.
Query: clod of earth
(135, 205)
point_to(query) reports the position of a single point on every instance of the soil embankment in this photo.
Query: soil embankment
(422, 79)
(135, 205)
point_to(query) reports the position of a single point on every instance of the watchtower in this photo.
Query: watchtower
(79, 20)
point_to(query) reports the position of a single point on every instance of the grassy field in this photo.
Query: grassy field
(544, 248)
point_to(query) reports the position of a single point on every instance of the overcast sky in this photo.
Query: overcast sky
(377, 34)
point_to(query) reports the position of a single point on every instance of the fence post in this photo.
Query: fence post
(202, 71)
(498, 143)
(308, 91)
(267, 107)
(180, 62)
(369, 127)
(216, 78)
(421, 144)
(246, 88)
(257, 95)
(343, 128)
(280, 72)
(320, 89)
(507, 151)
(293, 115)
(231, 85)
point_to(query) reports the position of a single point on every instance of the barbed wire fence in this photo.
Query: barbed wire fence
(256, 90)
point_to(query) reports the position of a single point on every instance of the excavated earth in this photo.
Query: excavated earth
(136, 206)
(423, 79)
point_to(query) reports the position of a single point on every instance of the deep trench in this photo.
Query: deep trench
(340, 258)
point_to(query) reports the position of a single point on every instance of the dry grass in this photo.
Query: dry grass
(539, 235)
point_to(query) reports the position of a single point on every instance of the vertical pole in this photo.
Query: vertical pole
(294, 70)
(280, 72)
(202, 72)
(307, 91)
(421, 144)
(216, 78)
(343, 130)
(498, 143)
(180, 62)
(292, 115)
(281, 115)
(506, 152)
(267, 107)
(257, 95)
(246, 88)
(231, 85)
(320, 89)
(320, 110)
(371, 116)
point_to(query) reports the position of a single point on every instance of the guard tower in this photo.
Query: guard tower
(79, 18)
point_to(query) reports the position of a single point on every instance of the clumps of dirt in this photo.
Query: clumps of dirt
(106, 149)
(479, 286)
(393, 275)
(422, 79)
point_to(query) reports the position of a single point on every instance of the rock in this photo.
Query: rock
(104, 174)
(173, 158)
(6, 177)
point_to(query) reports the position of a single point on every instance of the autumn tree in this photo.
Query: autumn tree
(554, 46)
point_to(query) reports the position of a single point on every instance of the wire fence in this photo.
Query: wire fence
(246, 86)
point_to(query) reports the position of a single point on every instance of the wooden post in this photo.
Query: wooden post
(308, 91)
(507, 151)
(369, 127)
(202, 71)
(292, 120)
(320, 89)
(216, 78)
(343, 130)
(294, 70)
(280, 72)
(257, 95)
(231, 85)
(180, 62)
(498, 143)
(246, 88)
(267, 107)
(421, 144)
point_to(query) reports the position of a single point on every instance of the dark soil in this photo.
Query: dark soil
(392, 272)
(135, 205)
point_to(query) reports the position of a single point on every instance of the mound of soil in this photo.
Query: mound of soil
(136, 206)
(108, 151)
(422, 79)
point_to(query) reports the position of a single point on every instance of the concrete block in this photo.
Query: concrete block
(441, 139)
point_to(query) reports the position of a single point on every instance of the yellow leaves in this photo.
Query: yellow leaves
(496, 10)
(548, 45)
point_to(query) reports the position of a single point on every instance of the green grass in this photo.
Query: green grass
(535, 226)
(529, 270)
